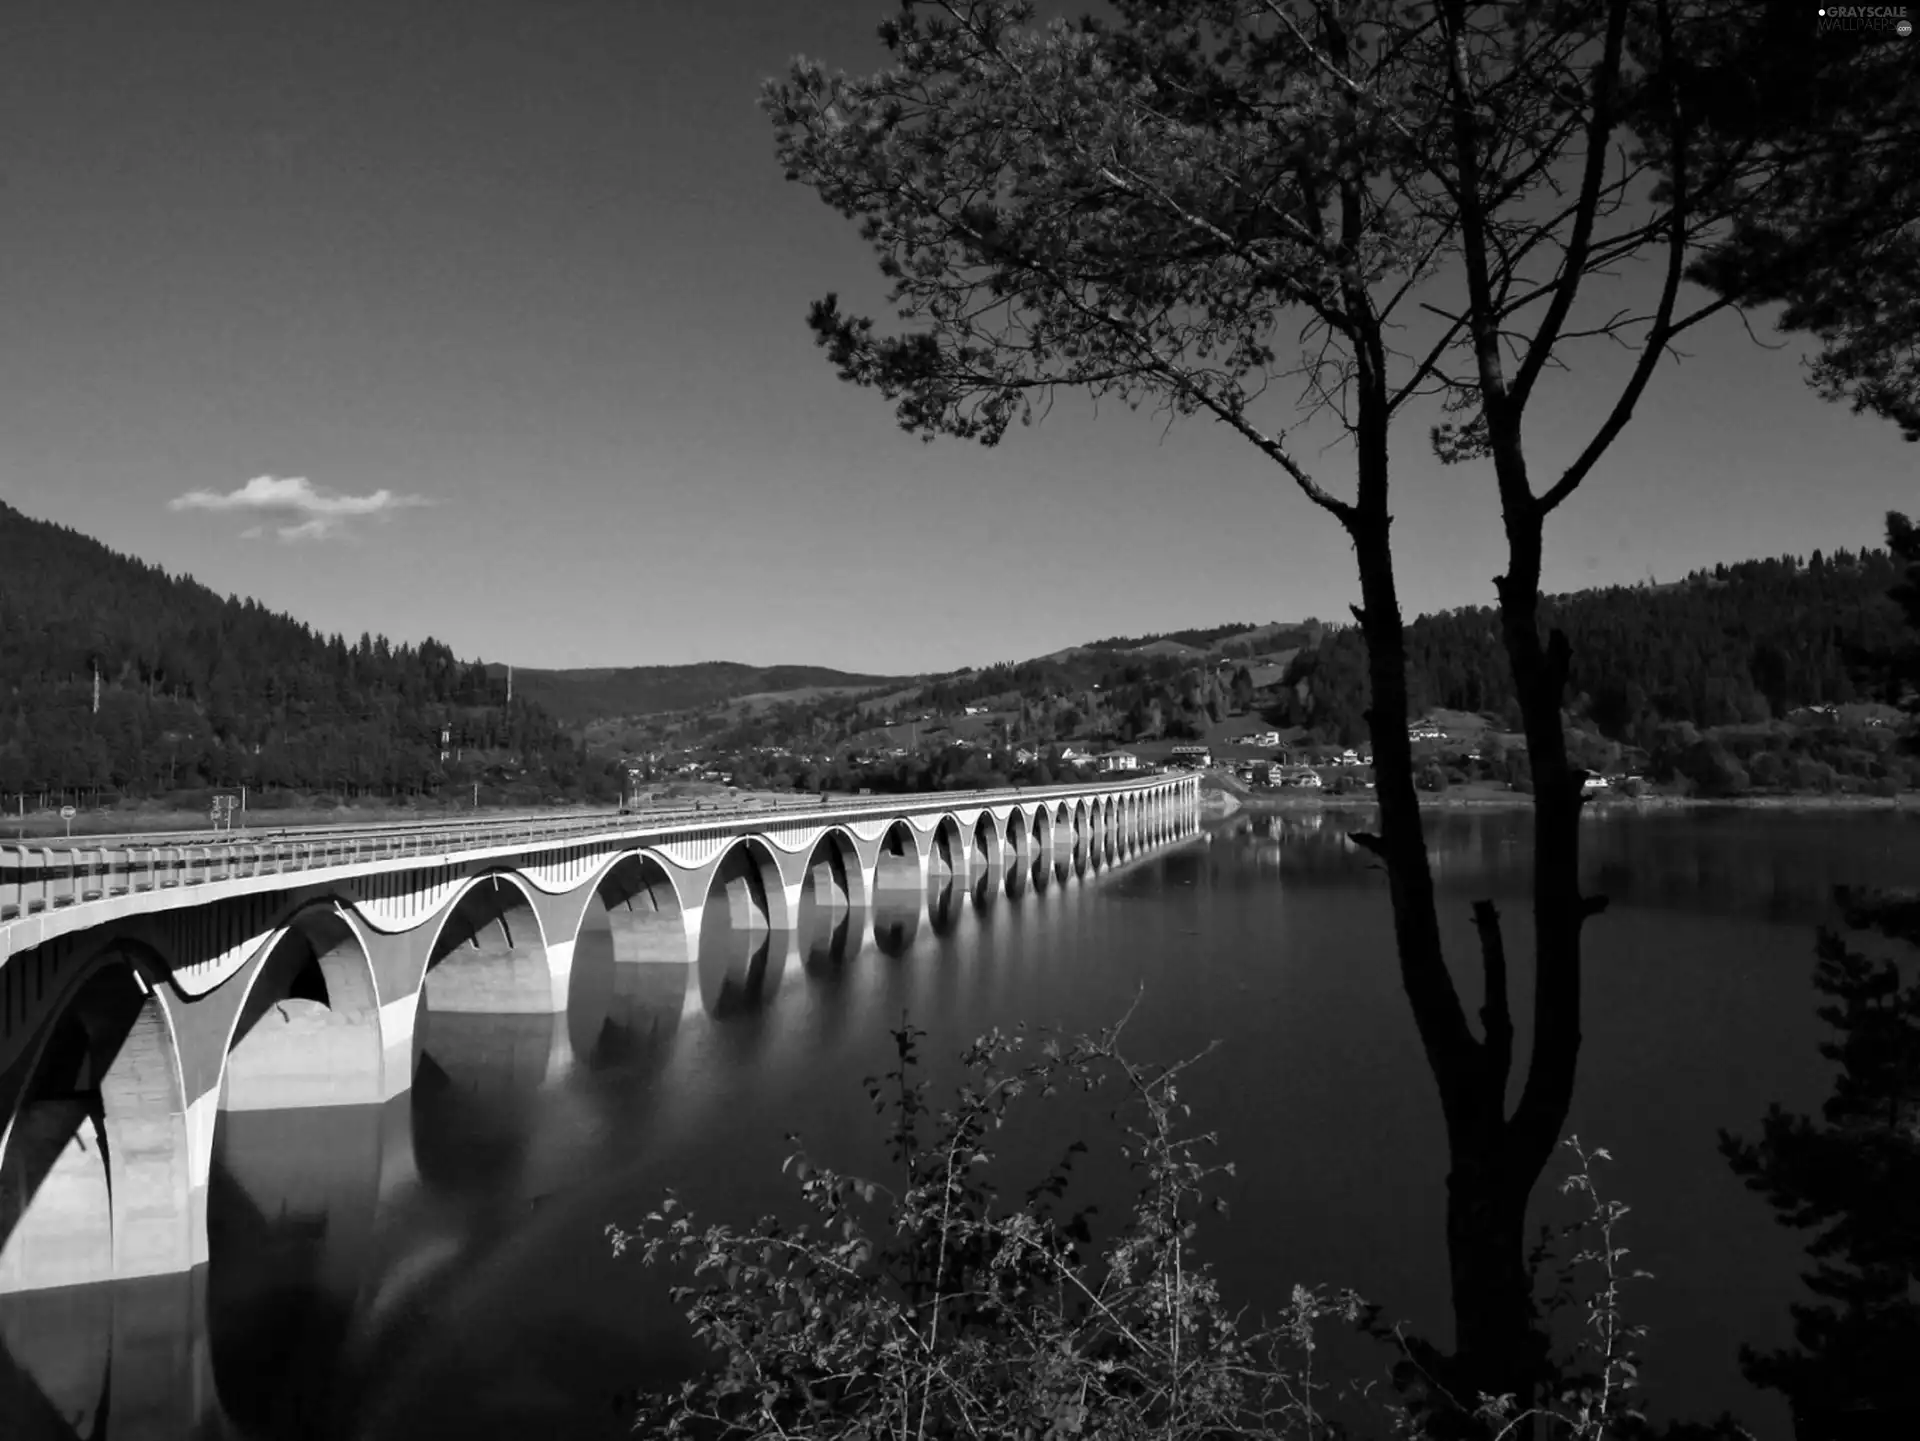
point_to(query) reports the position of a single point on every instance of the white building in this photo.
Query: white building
(1119, 761)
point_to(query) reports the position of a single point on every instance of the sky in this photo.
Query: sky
(486, 321)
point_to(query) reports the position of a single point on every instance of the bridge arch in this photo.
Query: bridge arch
(639, 899)
(898, 860)
(489, 954)
(747, 879)
(1019, 836)
(307, 1030)
(96, 1171)
(948, 849)
(835, 873)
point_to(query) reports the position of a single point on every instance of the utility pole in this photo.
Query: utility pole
(96, 687)
(509, 687)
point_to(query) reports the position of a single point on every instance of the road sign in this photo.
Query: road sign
(67, 813)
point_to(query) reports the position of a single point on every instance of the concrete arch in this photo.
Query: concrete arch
(1041, 828)
(1019, 836)
(748, 878)
(900, 860)
(985, 853)
(948, 851)
(645, 913)
(834, 871)
(96, 1171)
(307, 1031)
(489, 953)
(1082, 824)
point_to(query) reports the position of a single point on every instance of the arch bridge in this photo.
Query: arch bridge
(148, 987)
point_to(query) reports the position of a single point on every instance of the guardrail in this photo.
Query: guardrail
(38, 878)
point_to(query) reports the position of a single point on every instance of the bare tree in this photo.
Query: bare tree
(1401, 209)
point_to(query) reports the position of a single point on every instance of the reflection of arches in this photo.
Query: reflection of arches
(308, 1029)
(476, 1094)
(95, 1180)
(490, 955)
(729, 988)
(291, 1206)
(943, 906)
(1019, 877)
(1081, 824)
(894, 930)
(1042, 831)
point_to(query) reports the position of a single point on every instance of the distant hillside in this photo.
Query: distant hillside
(577, 697)
(199, 691)
(1740, 644)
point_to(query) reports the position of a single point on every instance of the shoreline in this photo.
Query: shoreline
(1219, 800)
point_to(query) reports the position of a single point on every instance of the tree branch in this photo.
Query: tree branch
(1573, 265)
(1659, 336)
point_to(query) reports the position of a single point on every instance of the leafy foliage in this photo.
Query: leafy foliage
(948, 1308)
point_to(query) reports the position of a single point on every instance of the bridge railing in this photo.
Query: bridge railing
(34, 879)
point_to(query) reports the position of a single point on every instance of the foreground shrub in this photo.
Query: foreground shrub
(947, 1308)
(943, 1309)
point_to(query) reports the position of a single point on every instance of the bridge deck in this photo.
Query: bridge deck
(45, 876)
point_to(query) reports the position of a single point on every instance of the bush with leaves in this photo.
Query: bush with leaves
(950, 1308)
(944, 1308)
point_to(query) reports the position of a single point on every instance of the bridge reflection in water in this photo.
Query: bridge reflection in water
(345, 1239)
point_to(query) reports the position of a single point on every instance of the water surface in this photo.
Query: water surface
(438, 1266)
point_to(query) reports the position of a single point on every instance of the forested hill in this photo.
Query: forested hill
(199, 691)
(1739, 644)
(579, 696)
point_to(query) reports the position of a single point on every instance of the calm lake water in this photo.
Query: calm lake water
(439, 1266)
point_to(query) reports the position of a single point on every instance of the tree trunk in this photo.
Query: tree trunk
(1494, 1162)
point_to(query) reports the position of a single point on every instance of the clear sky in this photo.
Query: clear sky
(533, 265)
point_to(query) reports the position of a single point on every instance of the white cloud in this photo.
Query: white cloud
(295, 508)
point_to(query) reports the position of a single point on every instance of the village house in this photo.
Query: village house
(1119, 761)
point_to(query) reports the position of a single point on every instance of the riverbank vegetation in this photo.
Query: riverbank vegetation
(947, 1298)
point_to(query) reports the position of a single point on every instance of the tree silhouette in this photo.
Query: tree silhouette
(1851, 1178)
